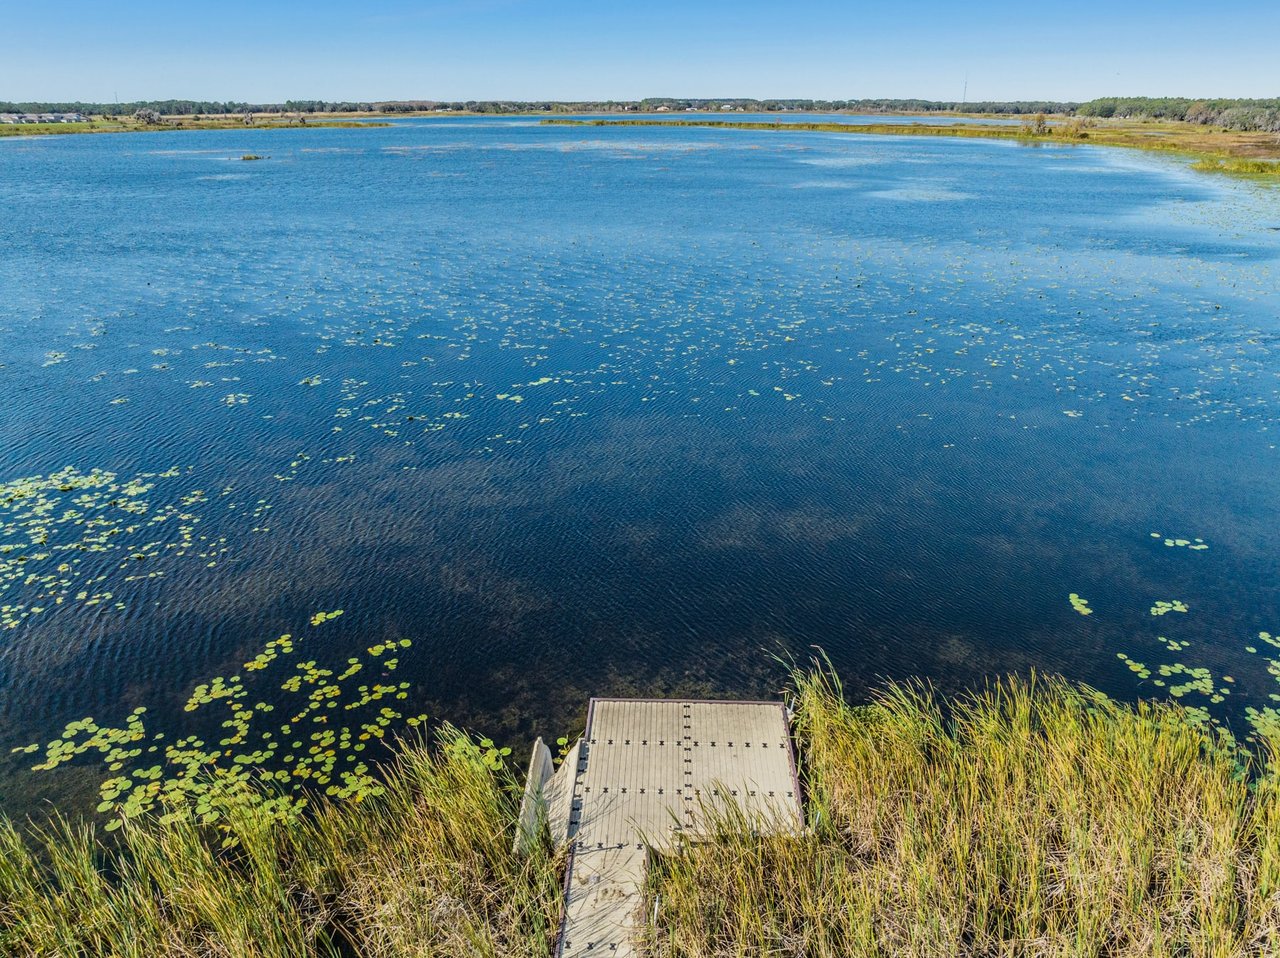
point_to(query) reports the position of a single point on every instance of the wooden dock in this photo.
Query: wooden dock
(645, 776)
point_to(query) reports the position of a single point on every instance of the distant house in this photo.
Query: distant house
(727, 106)
(663, 109)
(8, 118)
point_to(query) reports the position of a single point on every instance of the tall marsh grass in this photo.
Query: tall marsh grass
(423, 870)
(1033, 818)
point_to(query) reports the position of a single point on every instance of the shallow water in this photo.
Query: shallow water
(616, 411)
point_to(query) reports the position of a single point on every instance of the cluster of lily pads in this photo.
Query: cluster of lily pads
(1181, 680)
(56, 530)
(1189, 683)
(1079, 604)
(318, 746)
(1196, 545)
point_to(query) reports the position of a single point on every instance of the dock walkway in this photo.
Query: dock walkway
(645, 775)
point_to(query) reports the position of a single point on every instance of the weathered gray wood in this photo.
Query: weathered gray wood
(558, 794)
(533, 808)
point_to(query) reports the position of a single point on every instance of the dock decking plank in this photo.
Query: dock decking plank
(647, 772)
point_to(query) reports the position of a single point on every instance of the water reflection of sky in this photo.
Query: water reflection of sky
(611, 411)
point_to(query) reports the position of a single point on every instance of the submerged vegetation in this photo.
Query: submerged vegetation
(1031, 818)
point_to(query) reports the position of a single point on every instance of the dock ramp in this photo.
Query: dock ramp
(644, 776)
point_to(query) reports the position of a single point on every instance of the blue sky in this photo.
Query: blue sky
(565, 49)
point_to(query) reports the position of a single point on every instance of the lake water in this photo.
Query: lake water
(610, 411)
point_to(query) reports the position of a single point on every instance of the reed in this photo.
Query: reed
(1032, 818)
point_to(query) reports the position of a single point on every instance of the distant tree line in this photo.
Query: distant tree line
(196, 107)
(190, 107)
(1232, 114)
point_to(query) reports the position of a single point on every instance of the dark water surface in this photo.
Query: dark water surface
(624, 411)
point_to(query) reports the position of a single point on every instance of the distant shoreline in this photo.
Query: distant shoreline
(102, 124)
(1252, 155)
(106, 123)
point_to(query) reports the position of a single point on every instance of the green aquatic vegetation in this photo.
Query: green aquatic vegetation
(56, 529)
(1033, 817)
(1238, 166)
(1079, 604)
(187, 775)
(1137, 668)
(1265, 722)
(1199, 680)
(1182, 679)
(425, 868)
(1195, 545)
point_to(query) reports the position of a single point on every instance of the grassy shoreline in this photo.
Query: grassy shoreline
(1032, 818)
(1244, 154)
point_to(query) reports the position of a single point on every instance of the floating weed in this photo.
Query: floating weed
(1195, 545)
(1079, 604)
(1137, 668)
(55, 528)
(1181, 680)
(493, 756)
(1198, 680)
(205, 780)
